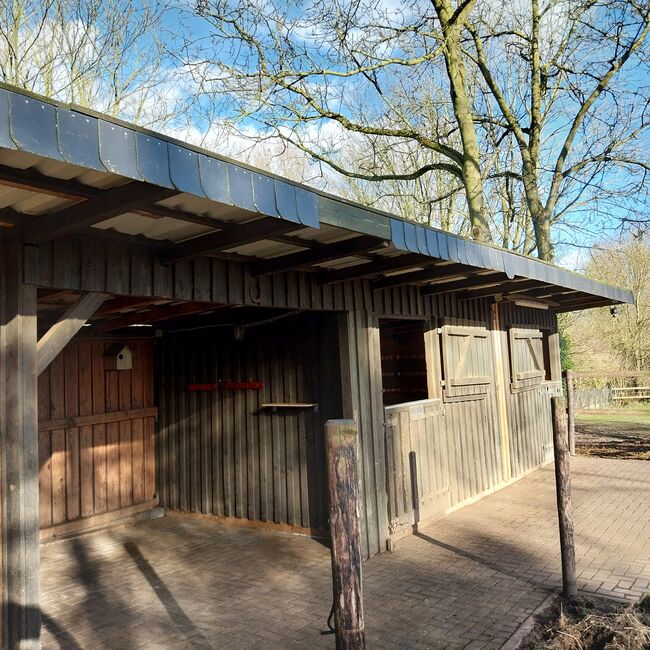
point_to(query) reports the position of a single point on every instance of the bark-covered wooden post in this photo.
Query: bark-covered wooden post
(570, 402)
(564, 505)
(343, 481)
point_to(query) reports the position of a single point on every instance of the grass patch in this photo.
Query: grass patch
(591, 624)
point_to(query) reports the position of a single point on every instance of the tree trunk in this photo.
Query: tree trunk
(471, 165)
(545, 248)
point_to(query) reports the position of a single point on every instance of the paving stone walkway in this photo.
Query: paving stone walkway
(466, 581)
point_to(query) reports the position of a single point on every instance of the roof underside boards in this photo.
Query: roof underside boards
(53, 157)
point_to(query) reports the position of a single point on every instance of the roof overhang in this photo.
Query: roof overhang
(66, 170)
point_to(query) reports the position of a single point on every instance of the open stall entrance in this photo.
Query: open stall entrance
(202, 409)
(243, 402)
(403, 361)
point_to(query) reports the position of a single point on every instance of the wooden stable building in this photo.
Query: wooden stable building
(176, 329)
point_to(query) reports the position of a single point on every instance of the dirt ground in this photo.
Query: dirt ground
(614, 433)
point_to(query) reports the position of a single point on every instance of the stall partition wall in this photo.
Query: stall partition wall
(96, 436)
(455, 446)
(241, 420)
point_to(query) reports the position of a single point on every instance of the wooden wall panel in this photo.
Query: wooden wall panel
(204, 467)
(220, 451)
(96, 433)
(359, 343)
(529, 411)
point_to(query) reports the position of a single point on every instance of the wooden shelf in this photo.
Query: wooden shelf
(288, 405)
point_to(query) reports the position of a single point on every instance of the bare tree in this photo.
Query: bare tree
(623, 340)
(102, 54)
(561, 83)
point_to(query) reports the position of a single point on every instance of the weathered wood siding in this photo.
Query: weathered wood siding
(221, 451)
(449, 450)
(359, 344)
(90, 264)
(529, 408)
(487, 433)
(96, 447)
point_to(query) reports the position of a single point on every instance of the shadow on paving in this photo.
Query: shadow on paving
(467, 580)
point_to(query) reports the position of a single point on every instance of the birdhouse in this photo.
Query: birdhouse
(118, 357)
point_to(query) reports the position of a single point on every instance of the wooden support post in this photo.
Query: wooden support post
(571, 411)
(343, 481)
(563, 490)
(20, 580)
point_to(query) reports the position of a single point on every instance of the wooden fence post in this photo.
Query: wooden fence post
(564, 505)
(571, 415)
(343, 482)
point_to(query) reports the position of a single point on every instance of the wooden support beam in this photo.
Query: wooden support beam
(260, 229)
(165, 312)
(31, 180)
(375, 267)
(120, 304)
(564, 504)
(343, 481)
(473, 282)
(325, 253)
(501, 289)
(20, 617)
(571, 411)
(60, 334)
(434, 271)
(110, 203)
(588, 302)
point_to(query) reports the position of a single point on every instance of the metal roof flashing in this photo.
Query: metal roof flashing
(90, 140)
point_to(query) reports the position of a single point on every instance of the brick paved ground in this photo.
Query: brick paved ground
(468, 580)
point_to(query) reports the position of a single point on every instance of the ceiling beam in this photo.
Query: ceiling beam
(110, 203)
(164, 312)
(120, 304)
(434, 271)
(477, 281)
(583, 301)
(324, 253)
(246, 233)
(378, 265)
(33, 181)
(60, 334)
(501, 288)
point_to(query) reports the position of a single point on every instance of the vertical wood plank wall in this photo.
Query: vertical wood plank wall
(462, 442)
(468, 431)
(97, 468)
(359, 343)
(220, 451)
(529, 411)
(481, 454)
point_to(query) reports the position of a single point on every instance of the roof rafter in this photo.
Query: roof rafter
(378, 265)
(324, 253)
(106, 205)
(221, 240)
(522, 284)
(474, 281)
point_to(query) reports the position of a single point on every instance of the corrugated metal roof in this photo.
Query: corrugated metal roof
(75, 144)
